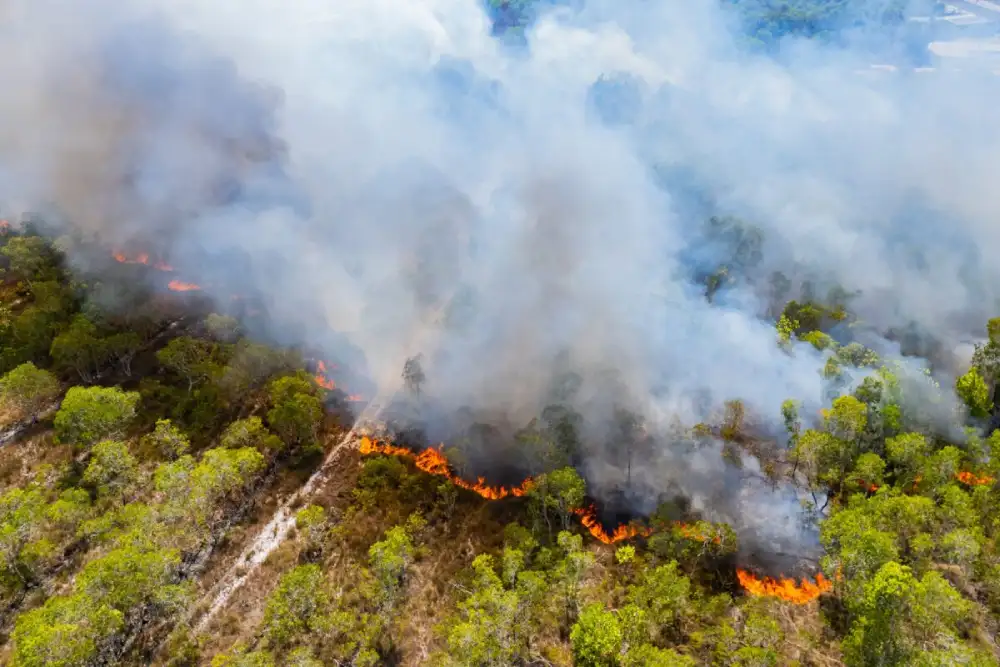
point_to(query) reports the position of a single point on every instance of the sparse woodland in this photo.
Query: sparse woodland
(143, 447)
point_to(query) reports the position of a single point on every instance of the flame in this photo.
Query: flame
(4, 227)
(588, 517)
(870, 488)
(434, 462)
(179, 286)
(141, 258)
(973, 480)
(785, 589)
(321, 379)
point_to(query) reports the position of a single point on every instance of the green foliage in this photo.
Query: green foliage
(489, 630)
(192, 359)
(250, 432)
(972, 389)
(112, 468)
(27, 389)
(296, 413)
(64, 632)
(31, 258)
(389, 560)
(297, 606)
(897, 617)
(662, 595)
(557, 494)
(88, 415)
(167, 440)
(596, 638)
(80, 349)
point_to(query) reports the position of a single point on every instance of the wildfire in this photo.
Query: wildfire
(588, 517)
(434, 462)
(321, 378)
(141, 258)
(973, 480)
(4, 227)
(785, 589)
(180, 286)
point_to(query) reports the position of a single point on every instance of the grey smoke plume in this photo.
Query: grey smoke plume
(375, 169)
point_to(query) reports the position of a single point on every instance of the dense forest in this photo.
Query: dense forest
(147, 447)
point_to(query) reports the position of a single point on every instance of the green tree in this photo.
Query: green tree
(88, 415)
(663, 595)
(558, 494)
(80, 349)
(27, 389)
(250, 432)
(190, 358)
(485, 633)
(64, 632)
(296, 414)
(389, 560)
(974, 392)
(122, 348)
(31, 258)
(298, 605)
(167, 440)
(112, 468)
(223, 328)
(897, 617)
(596, 638)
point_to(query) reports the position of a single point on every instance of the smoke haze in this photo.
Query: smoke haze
(391, 179)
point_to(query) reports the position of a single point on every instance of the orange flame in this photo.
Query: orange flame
(4, 227)
(179, 286)
(141, 258)
(434, 462)
(588, 517)
(785, 589)
(870, 488)
(972, 479)
(321, 378)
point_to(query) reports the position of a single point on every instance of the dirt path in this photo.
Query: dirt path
(274, 532)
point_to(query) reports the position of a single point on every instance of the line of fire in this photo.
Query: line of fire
(433, 461)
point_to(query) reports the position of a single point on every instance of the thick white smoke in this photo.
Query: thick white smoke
(377, 169)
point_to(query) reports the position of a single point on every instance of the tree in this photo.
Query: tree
(596, 638)
(297, 606)
(897, 617)
(485, 633)
(64, 632)
(88, 415)
(222, 327)
(132, 578)
(663, 595)
(413, 375)
(974, 392)
(123, 347)
(389, 560)
(31, 258)
(190, 358)
(167, 440)
(112, 468)
(249, 432)
(27, 389)
(560, 492)
(297, 420)
(80, 349)
(296, 412)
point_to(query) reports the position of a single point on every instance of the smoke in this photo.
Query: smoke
(389, 179)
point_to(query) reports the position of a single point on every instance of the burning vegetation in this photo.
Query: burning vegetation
(433, 462)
